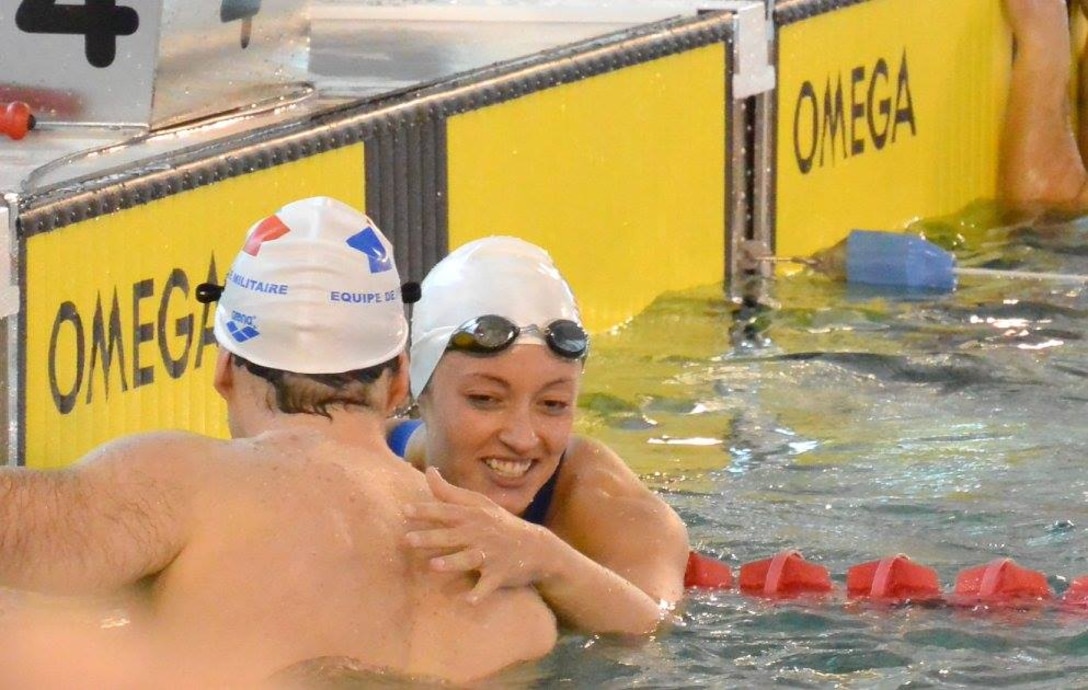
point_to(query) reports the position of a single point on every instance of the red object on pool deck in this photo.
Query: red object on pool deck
(785, 574)
(15, 119)
(893, 578)
(1000, 581)
(704, 572)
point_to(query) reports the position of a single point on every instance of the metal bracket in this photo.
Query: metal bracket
(10, 341)
(9, 281)
(753, 72)
(754, 80)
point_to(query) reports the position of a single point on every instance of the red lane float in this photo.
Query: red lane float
(1001, 581)
(786, 574)
(1076, 595)
(893, 579)
(704, 572)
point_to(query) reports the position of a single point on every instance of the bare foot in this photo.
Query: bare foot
(1080, 97)
(1040, 162)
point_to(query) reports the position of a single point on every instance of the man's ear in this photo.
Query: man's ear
(224, 374)
(398, 385)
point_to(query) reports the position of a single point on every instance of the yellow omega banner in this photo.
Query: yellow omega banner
(115, 339)
(888, 111)
(621, 176)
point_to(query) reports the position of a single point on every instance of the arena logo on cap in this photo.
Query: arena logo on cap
(242, 327)
(271, 228)
(368, 243)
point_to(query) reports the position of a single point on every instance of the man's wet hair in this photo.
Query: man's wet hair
(315, 393)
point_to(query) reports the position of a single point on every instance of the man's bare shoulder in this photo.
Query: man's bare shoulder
(189, 451)
(167, 441)
(162, 455)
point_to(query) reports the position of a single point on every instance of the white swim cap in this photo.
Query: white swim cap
(505, 276)
(314, 291)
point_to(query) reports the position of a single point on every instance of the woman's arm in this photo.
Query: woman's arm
(606, 514)
(614, 564)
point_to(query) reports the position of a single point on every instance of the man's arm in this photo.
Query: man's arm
(118, 515)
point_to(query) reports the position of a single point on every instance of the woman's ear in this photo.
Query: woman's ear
(224, 374)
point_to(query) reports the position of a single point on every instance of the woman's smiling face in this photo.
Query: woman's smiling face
(498, 424)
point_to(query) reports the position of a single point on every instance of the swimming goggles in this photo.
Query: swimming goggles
(488, 334)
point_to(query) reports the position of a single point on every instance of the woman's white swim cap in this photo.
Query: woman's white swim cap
(314, 291)
(505, 276)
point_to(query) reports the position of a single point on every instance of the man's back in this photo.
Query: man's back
(288, 543)
(298, 553)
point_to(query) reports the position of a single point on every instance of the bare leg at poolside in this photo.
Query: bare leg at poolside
(1080, 104)
(1040, 161)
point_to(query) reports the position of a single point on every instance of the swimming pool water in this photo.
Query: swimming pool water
(857, 426)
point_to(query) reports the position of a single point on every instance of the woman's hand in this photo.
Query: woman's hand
(474, 534)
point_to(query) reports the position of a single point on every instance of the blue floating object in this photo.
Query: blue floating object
(898, 260)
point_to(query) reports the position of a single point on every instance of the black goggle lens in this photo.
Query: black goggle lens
(566, 339)
(490, 333)
(484, 335)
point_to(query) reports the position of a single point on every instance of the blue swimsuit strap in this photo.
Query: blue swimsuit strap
(536, 513)
(398, 437)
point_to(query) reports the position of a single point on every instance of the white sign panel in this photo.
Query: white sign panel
(146, 62)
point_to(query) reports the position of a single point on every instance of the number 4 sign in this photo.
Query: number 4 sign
(147, 63)
(100, 22)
